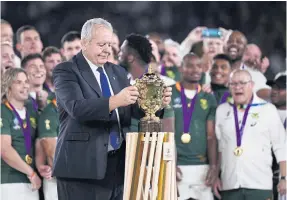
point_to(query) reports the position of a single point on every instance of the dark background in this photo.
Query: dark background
(264, 23)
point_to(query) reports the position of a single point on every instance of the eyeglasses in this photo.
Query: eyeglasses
(240, 83)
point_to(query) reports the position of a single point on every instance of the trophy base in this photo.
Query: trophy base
(150, 166)
(150, 125)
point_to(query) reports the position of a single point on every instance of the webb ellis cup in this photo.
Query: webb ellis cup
(150, 172)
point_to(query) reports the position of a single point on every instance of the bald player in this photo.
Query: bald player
(246, 136)
(234, 49)
(253, 57)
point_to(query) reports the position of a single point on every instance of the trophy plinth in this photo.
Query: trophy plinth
(150, 169)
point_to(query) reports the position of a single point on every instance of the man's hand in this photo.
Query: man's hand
(127, 96)
(196, 34)
(281, 187)
(207, 88)
(264, 64)
(41, 98)
(211, 176)
(217, 186)
(166, 96)
(178, 174)
(225, 34)
(45, 171)
(35, 181)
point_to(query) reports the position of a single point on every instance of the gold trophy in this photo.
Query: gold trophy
(150, 169)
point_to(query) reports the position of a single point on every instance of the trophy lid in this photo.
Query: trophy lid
(150, 71)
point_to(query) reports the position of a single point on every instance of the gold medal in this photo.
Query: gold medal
(28, 159)
(185, 138)
(238, 151)
(24, 125)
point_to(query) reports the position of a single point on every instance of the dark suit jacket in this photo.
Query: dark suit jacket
(82, 146)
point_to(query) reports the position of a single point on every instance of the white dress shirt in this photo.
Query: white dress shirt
(263, 131)
(97, 75)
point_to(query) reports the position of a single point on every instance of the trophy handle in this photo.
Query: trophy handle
(163, 88)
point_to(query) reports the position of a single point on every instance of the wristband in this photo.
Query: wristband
(32, 175)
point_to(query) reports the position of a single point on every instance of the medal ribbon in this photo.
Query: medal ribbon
(34, 103)
(163, 70)
(224, 97)
(285, 124)
(47, 87)
(26, 130)
(187, 113)
(239, 131)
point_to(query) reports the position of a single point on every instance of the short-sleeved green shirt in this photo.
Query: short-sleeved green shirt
(195, 152)
(30, 102)
(48, 125)
(11, 126)
(219, 91)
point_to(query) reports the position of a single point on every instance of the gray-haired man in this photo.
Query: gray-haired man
(95, 103)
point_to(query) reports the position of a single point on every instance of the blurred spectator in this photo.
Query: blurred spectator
(278, 98)
(7, 57)
(6, 32)
(116, 42)
(28, 41)
(156, 65)
(252, 57)
(52, 57)
(7, 36)
(71, 44)
(157, 38)
(171, 60)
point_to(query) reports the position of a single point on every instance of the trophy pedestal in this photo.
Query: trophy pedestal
(150, 125)
(150, 168)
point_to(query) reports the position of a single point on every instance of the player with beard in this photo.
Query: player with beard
(135, 55)
(219, 74)
(278, 98)
(194, 116)
(234, 49)
(171, 60)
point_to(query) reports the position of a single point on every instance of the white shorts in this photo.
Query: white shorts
(283, 197)
(18, 191)
(50, 189)
(192, 184)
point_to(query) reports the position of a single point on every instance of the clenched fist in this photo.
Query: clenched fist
(166, 96)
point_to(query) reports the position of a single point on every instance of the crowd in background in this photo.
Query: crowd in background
(214, 68)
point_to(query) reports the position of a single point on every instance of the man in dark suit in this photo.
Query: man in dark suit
(95, 103)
